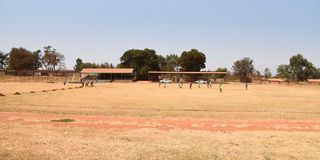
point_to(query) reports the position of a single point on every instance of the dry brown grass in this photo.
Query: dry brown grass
(149, 100)
(21, 141)
(45, 142)
(12, 87)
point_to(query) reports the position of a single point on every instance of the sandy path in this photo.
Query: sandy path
(127, 123)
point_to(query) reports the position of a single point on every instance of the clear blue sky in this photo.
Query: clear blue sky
(268, 31)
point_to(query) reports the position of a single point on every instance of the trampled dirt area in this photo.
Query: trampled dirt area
(131, 123)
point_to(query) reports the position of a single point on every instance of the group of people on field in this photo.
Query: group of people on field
(181, 82)
(209, 85)
(87, 84)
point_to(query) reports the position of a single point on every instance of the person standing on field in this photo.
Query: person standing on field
(220, 87)
(247, 85)
(190, 86)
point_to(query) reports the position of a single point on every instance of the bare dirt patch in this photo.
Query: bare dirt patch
(129, 123)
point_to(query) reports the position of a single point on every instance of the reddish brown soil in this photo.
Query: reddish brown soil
(127, 123)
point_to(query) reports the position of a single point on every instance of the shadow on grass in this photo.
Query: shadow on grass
(63, 120)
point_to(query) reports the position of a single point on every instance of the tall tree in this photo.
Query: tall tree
(172, 62)
(220, 69)
(142, 61)
(21, 59)
(192, 60)
(318, 73)
(37, 57)
(162, 62)
(51, 58)
(302, 69)
(243, 69)
(256, 74)
(4, 58)
(79, 62)
(285, 71)
(267, 73)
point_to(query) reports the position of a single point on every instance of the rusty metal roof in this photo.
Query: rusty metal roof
(171, 72)
(107, 70)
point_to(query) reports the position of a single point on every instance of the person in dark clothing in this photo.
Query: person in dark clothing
(190, 86)
(91, 84)
(220, 87)
(82, 83)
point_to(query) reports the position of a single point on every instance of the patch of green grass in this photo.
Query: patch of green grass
(63, 120)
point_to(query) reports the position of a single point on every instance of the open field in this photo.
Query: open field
(145, 121)
(149, 100)
(8, 88)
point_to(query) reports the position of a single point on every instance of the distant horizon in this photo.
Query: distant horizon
(269, 32)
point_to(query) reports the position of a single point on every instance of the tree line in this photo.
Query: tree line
(19, 59)
(145, 60)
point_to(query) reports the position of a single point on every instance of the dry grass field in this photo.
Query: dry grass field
(144, 121)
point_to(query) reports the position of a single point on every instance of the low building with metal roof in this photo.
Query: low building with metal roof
(107, 74)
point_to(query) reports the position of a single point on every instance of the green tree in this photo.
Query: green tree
(267, 73)
(21, 59)
(256, 74)
(51, 58)
(172, 62)
(162, 62)
(37, 57)
(243, 69)
(192, 60)
(4, 58)
(310, 71)
(78, 64)
(285, 71)
(220, 69)
(89, 65)
(104, 65)
(302, 69)
(142, 61)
